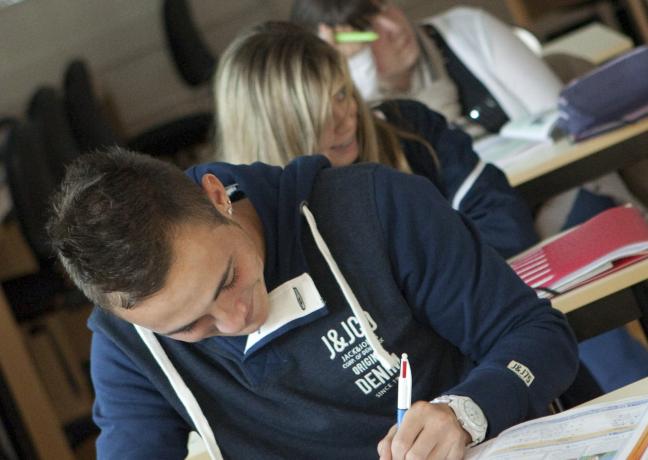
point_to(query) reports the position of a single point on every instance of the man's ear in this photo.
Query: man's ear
(215, 191)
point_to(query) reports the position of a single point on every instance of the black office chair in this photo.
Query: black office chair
(175, 136)
(192, 58)
(6, 125)
(36, 154)
(31, 184)
(48, 114)
(92, 130)
(87, 123)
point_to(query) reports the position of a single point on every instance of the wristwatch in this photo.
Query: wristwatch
(469, 415)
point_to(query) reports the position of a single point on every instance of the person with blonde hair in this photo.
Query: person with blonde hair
(467, 64)
(282, 92)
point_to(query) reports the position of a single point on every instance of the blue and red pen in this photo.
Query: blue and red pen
(404, 389)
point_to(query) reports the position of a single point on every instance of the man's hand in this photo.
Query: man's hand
(428, 432)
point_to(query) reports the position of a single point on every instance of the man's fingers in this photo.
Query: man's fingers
(384, 446)
(405, 438)
(428, 431)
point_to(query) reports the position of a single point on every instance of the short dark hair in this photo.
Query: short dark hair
(113, 220)
(356, 13)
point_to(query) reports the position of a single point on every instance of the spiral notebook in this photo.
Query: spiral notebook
(607, 242)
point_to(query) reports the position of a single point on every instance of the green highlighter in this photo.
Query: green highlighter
(356, 36)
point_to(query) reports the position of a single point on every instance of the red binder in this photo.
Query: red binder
(607, 242)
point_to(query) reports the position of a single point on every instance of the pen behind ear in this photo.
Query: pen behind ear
(356, 36)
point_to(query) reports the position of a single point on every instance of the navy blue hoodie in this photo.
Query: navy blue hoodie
(428, 286)
(479, 190)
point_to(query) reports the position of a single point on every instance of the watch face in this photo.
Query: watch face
(473, 412)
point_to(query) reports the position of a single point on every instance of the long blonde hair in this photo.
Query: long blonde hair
(273, 91)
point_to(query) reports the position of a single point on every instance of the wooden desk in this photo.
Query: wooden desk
(595, 42)
(34, 407)
(547, 170)
(40, 431)
(607, 303)
(525, 13)
(17, 259)
(638, 388)
(639, 13)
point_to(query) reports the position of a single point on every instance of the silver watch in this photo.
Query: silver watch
(469, 415)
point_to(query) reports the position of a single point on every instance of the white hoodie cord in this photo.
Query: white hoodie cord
(184, 393)
(387, 360)
(467, 184)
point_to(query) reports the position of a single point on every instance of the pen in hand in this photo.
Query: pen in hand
(404, 389)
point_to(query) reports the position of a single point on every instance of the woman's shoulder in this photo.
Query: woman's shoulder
(404, 105)
(406, 113)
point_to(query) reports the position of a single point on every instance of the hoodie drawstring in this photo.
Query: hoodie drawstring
(184, 393)
(386, 359)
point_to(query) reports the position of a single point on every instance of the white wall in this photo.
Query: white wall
(123, 43)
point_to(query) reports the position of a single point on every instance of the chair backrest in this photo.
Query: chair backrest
(89, 126)
(191, 55)
(173, 137)
(47, 112)
(31, 183)
(6, 124)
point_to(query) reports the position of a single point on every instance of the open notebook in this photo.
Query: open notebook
(607, 242)
(615, 430)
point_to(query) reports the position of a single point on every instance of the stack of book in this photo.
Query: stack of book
(606, 243)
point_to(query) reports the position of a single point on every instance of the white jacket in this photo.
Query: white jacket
(523, 84)
(518, 79)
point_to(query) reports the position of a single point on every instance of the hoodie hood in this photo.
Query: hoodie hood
(276, 193)
(280, 197)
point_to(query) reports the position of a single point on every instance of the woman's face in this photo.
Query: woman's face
(339, 141)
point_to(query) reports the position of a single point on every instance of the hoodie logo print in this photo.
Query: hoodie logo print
(347, 344)
(337, 342)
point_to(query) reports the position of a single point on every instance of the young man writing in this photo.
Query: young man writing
(265, 307)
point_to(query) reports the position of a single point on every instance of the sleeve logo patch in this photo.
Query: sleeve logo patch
(522, 371)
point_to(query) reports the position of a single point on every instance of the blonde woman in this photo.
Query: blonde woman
(282, 92)
(466, 64)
